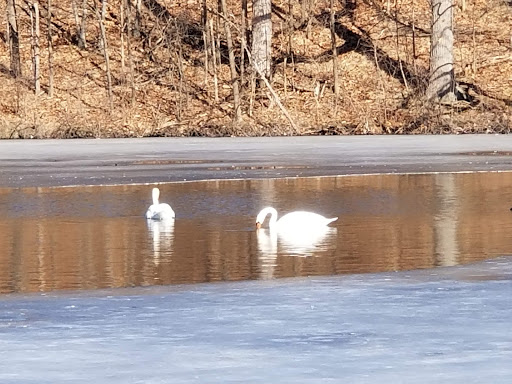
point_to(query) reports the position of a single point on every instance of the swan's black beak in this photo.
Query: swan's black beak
(258, 225)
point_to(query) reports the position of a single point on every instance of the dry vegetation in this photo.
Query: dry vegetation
(383, 53)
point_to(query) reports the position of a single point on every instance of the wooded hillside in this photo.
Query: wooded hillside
(133, 68)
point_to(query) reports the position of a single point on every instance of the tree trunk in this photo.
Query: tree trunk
(334, 54)
(101, 20)
(126, 30)
(243, 43)
(14, 39)
(181, 73)
(50, 48)
(214, 62)
(441, 85)
(232, 64)
(80, 23)
(83, 25)
(123, 23)
(34, 18)
(204, 24)
(262, 36)
(75, 15)
(138, 19)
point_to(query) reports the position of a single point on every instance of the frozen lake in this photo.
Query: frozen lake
(411, 285)
(450, 324)
(37, 163)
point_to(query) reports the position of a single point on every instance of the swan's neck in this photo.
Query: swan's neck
(273, 216)
(272, 221)
(156, 196)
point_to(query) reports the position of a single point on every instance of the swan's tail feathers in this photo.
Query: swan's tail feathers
(331, 220)
(156, 195)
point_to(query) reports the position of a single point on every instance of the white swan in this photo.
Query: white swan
(158, 211)
(298, 220)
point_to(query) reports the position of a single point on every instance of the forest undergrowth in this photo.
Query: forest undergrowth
(171, 76)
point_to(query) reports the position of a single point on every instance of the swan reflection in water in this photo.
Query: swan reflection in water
(162, 232)
(287, 242)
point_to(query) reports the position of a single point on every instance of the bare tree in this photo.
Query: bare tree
(176, 42)
(305, 10)
(204, 24)
(232, 64)
(262, 36)
(126, 31)
(14, 38)
(35, 32)
(138, 18)
(81, 23)
(243, 46)
(441, 86)
(123, 23)
(50, 48)
(75, 15)
(334, 54)
(214, 61)
(101, 20)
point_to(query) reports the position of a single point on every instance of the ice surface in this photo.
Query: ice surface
(37, 163)
(445, 325)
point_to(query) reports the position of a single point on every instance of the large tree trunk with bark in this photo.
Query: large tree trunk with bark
(262, 36)
(441, 85)
(14, 38)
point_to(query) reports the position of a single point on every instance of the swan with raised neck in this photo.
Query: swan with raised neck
(157, 210)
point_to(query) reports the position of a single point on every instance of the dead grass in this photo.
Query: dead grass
(382, 76)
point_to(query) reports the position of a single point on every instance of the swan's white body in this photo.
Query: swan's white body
(298, 220)
(159, 211)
